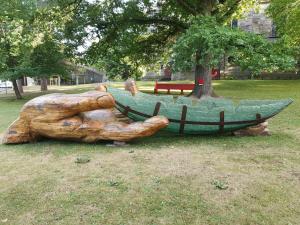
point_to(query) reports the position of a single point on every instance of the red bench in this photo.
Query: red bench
(166, 86)
(170, 86)
(215, 74)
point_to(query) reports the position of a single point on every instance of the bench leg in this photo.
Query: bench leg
(155, 91)
(181, 92)
(168, 91)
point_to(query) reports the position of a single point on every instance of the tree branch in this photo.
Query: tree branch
(185, 5)
(102, 25)
(157, 20)
(229, 12)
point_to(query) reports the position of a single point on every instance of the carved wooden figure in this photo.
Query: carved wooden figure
(86, 117)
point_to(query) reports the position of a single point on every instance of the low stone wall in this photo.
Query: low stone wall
(183, 76)
(237, 74)
(231, 73)
(152, 76)
(280, 76)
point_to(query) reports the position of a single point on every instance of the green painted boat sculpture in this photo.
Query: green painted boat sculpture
(189, 116)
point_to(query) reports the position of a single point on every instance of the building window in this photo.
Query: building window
(234, 23)
(273, 31)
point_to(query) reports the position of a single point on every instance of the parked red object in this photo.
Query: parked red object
(200, 81)
(168, 86)
(215, 74)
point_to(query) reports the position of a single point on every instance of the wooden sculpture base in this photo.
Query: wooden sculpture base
(258, 130)
(87, 117)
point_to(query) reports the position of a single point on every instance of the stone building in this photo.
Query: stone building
(88, 75)
(80, 75)
(257, 22)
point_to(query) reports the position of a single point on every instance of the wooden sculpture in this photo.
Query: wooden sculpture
(131, 86)
(86, 117)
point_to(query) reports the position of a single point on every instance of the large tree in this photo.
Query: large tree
(206, 41)
(24, 26)
(15, 39)
(144, 31)
(47, 59)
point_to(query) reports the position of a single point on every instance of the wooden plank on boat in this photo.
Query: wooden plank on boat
(156, 110)
(258, 117)
(127, 109)
(183, 117)
(221, 126)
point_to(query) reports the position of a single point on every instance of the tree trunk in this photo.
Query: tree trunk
(20, 85)
(25, 81)
(16, 89)
(44, 84)
(202, 75)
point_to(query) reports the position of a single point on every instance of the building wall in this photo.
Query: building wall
(190, 75)
(258, 22)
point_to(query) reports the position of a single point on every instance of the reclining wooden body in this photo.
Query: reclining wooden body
(87, 117)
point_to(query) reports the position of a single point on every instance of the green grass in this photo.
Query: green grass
(164, 179)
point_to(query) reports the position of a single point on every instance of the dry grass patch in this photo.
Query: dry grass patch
(166, 186)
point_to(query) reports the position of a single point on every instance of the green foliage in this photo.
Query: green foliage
(15, 38)
(113, 183)
(212, 40)
(119, 67)
(23, 26)
(83, 159)
(233, 9)
(17, 72)
(219, 184)
(286, 16)
(126, 35)
(50, 19)
(48, 59)
(129, 34)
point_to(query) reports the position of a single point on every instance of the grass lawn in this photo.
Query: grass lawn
(164, 179)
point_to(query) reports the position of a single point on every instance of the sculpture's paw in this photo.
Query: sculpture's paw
(124, 132)
(18, 132)
(156, 123)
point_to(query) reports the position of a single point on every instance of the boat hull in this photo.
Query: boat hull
(188, 116)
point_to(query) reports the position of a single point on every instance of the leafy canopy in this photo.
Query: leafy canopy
(15, 37)
(212, 40)
(140, 32)
(125, 35)
(25, 24)
(286, 15)
(48, 59)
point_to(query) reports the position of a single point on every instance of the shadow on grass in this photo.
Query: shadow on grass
(162, 141)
